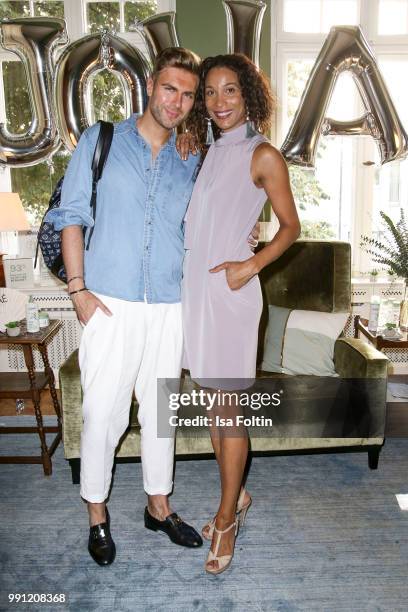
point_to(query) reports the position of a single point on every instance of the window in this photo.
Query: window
(31, 8)
(343, 196)
(323, 195)
(390, 190)
(35, 184)
(118, 15)
(392, 17)
(316, 16)
(108, 97)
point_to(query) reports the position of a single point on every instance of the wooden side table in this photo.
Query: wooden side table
(28, 385)
(361, 326)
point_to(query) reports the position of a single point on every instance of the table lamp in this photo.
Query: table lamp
(12, 219)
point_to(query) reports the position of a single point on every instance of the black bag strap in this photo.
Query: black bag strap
(100, 156)
(98, 162)
(101, 149)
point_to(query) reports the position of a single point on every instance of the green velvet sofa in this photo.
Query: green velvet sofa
(311, 275)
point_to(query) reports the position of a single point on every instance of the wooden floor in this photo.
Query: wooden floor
(396, 425)
(397, 420)
(8, 406)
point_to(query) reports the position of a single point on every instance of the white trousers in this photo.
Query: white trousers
(128, 351)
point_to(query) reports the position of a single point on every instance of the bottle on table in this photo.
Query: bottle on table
(44, 318)
(32, 318)
(374, 313)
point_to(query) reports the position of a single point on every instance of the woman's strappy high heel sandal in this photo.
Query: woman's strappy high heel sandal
(208, 529)
(224, 561)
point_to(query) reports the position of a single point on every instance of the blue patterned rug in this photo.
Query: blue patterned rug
(324, 534)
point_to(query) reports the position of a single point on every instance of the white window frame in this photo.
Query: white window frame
(163, 6)
(33, 2)
(277, 10)
(382, 39)
(308, 51)
(75, 19)
(289, 44)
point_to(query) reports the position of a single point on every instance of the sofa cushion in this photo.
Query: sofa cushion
(302, 341)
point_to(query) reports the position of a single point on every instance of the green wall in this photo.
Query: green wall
(202, 27)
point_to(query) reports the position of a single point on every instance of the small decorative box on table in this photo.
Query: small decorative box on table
(361, 326)
(28, 385)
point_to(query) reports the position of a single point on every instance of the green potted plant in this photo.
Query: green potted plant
(13, 328)
(373, 276)
(391, 275)
(391, 331)
(392, 252)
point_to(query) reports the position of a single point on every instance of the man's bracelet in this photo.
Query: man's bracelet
(73, 278)
(77, 291)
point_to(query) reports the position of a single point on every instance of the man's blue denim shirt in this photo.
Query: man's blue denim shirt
(136, 251)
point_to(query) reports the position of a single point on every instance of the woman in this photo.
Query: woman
(222, 299)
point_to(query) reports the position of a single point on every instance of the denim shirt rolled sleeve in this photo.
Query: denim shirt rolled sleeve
(137, 247)
(76, 189)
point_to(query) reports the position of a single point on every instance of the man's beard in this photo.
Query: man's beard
(164, 121)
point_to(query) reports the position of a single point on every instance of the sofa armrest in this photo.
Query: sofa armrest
(354, 358)
(71, 403)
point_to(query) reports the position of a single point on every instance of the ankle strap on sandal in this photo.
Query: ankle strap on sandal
(234, 524)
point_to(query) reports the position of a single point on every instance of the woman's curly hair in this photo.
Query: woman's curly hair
(255, 90)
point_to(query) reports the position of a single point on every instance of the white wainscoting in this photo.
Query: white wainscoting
(59, 306)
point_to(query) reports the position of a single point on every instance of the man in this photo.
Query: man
(126, 291)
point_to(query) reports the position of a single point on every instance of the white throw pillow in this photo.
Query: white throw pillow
(302, 341)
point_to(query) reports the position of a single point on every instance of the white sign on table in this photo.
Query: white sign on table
(19, 272)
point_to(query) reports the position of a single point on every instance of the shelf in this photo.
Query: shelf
(18, 382)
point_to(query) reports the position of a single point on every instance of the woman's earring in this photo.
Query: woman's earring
(250, 127)
(210, 134)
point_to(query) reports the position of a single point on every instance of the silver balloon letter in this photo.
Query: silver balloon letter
(244, 23)
(83, 59)
(345, 49)
(34, 41)
(159, 32)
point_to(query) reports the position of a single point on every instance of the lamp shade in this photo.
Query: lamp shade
(12, 214)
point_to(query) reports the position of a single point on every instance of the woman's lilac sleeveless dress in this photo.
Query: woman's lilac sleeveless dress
(221, 325)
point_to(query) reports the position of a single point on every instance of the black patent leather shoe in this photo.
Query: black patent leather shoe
(177, 530)
(101, 547)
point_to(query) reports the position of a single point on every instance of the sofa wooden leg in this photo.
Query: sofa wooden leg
(373, 457)
(75, 470)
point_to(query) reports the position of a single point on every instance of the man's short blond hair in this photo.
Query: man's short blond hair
(177, 57)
